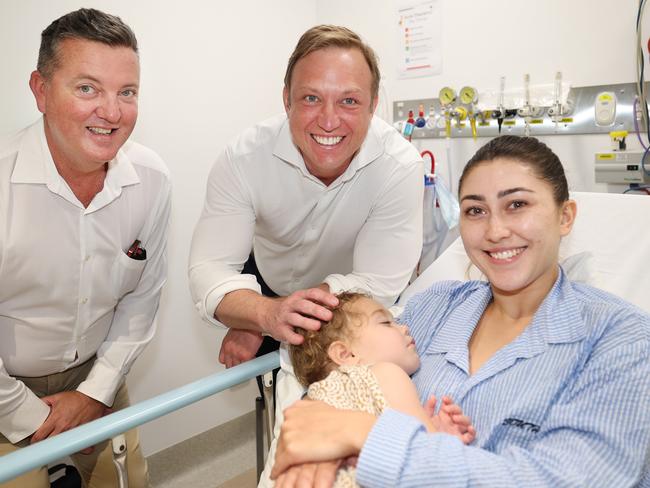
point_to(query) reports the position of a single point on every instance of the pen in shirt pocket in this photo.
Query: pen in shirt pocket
(136, 252)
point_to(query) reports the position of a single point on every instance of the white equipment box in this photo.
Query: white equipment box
(621, 167)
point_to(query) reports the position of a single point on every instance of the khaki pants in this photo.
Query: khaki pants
(96, 469)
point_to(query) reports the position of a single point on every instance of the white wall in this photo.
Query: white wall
(592, 42)
(209, 69)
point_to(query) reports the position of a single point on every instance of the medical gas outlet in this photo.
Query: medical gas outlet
(447, 97)
(558, 111)
(541, 109)
(623, 167)
(529, 111)
(469, 96)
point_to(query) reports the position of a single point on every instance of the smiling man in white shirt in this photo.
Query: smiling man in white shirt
(322, 199)
(326, 197)
(82, 245)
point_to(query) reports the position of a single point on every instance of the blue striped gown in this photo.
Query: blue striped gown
(566, 404)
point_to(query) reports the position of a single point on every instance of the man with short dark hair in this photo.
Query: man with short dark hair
(82, 246)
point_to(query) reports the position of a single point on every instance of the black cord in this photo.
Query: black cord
(644, 105)
(645, 154)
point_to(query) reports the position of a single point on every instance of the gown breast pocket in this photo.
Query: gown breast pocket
(126, 273)
(517, 430)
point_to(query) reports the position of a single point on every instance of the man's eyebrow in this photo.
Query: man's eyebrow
(87, 77)
(353, 90)
(309, 88)
(99, 82)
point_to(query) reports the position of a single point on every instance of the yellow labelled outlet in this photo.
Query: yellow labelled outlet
(606, 156)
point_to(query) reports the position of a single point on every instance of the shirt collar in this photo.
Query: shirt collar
(34, 164)
(120, 174)
(558, 320)
(371, 149)
(560, 315)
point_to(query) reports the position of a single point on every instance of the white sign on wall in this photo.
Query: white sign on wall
(419, 39)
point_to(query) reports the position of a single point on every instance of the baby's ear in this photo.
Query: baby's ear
(340, 353)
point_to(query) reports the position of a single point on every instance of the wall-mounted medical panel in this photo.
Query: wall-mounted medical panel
(585, 110)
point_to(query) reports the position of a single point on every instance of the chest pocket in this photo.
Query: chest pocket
(125, 274)
(517, 430)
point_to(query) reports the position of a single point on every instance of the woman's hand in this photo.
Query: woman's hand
(309, 475)
(313, 432)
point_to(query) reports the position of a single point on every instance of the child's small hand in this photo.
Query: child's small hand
(430, 406)
(450, 419)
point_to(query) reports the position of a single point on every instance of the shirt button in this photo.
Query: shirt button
(87, 257)
(84, 301)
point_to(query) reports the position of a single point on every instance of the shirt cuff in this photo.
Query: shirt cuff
(213, 297)
(384, 453)
(26, 419)
(102, 383)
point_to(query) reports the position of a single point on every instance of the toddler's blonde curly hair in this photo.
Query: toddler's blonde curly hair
(310, 360)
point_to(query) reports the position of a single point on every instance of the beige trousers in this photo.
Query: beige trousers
(96, 469)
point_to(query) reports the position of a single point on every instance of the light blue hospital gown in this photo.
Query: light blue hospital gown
(567, 403)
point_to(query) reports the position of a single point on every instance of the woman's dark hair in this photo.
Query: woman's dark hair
(527, 150)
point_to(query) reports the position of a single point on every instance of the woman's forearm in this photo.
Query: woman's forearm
(313, 431)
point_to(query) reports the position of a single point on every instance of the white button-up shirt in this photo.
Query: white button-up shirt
(363, 231)
(68, 291)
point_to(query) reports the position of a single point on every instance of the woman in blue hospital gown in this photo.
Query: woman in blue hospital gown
(555, 375)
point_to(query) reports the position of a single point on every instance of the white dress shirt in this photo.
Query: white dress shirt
(363, 231)
(68, 291)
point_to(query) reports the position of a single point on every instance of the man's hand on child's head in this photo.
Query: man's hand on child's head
(450, 419)
(304, 309)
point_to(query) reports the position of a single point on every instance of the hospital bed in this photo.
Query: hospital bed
(609, 247)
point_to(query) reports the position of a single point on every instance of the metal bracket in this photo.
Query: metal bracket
(119, 459)
(269, 400)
